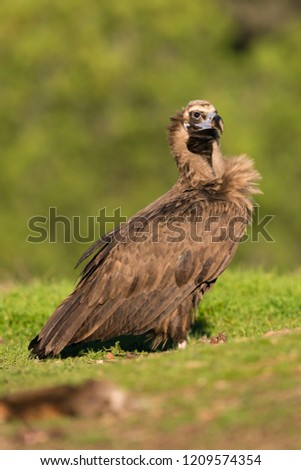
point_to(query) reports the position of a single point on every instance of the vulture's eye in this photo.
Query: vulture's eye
(196, 114)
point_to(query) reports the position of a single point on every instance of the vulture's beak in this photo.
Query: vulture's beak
(213, 121)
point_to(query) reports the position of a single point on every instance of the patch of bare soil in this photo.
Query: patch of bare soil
(91, 399)
(285, 331)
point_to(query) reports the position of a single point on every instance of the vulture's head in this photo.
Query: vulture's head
(196, 127)
(200, 119)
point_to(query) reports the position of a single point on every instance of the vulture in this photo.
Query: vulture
(148, 275)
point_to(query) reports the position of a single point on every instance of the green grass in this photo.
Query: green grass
(242, 394)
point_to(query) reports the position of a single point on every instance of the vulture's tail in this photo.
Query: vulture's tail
(59, 329)
(36, 350)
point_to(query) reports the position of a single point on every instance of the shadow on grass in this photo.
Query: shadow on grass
(131, 343)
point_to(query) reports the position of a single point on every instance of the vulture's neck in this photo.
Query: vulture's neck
(199, 160)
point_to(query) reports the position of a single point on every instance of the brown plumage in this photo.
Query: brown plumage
(149, 274)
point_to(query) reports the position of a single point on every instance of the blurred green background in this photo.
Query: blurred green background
(86, 91)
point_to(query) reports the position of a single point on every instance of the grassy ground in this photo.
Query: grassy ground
(243, 394)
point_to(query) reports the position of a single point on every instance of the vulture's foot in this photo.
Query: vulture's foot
(182, 344)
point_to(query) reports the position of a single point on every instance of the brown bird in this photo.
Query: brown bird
(150, 273)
